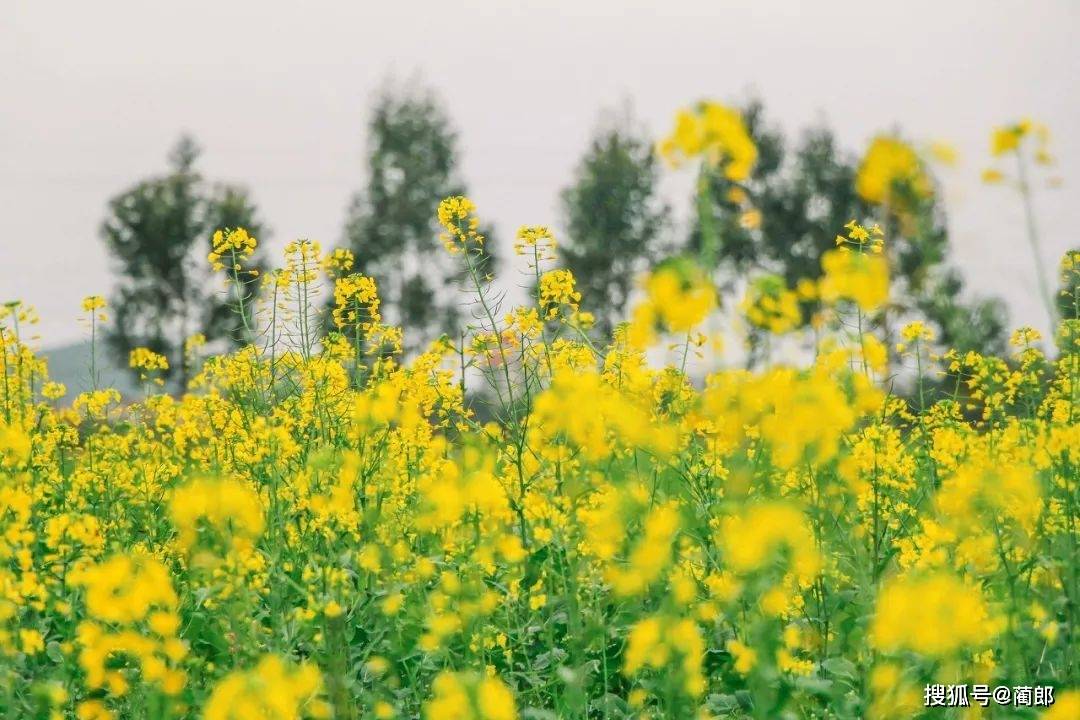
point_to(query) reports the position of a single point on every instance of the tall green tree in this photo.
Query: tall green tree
(614, 219)
(391, 227)
(158, 233)
(805, 194)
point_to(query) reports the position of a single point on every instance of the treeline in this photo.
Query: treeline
(780, 218)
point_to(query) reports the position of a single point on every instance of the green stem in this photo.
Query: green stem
(1033, 239)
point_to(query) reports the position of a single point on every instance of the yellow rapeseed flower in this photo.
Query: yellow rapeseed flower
(891, 164)
(272, 690)
(935, 615)
(716, 132)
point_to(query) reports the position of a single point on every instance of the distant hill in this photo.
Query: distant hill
(70, 364)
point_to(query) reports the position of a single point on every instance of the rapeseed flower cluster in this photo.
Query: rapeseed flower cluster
(457, 215)
(861, 279)
(935, 615)
(230, 247)
(716, 133)
(892, 173)
(467, 696)
(270, 691)
(771, 306)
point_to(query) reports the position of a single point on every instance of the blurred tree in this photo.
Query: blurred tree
(613, 218)
(158, 233)
(785, 216)
(391, 226)
(1068, 296)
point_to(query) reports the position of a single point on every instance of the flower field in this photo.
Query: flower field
(526, 521)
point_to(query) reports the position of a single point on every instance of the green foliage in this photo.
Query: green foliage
(412, 163)
(1068, 296)
(158, 234)
(614, 220)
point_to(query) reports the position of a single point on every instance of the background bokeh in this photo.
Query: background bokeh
(277, 93)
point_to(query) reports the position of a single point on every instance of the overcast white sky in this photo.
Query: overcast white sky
(92, 95)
